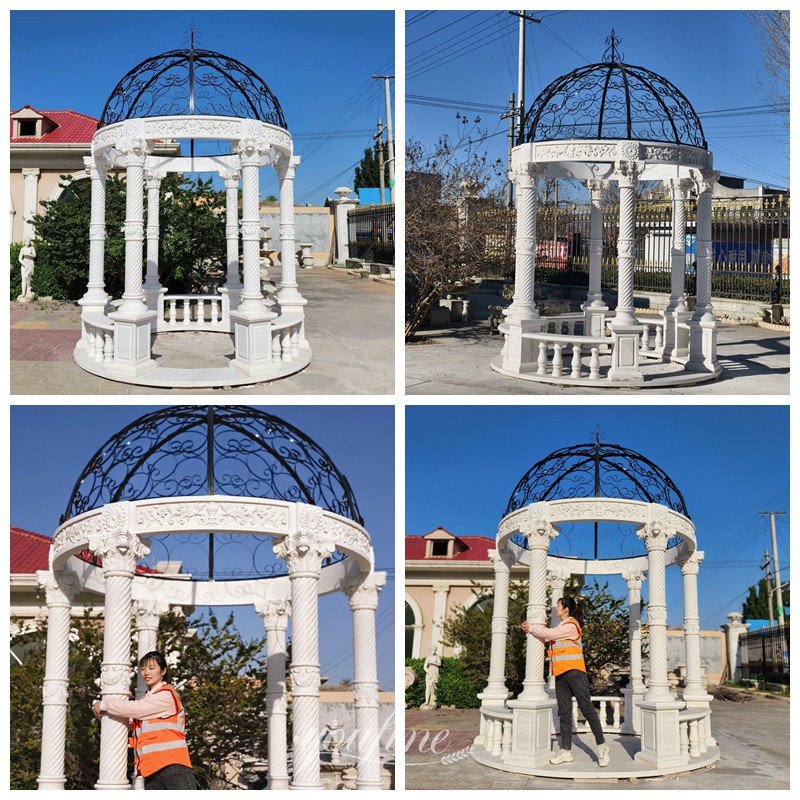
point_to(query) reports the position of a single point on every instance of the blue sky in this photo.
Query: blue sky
(319, 64)
(713, 57)
(360, 440)
(729, 462)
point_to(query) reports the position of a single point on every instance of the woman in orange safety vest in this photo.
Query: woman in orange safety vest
(569, 668)
(156, 722)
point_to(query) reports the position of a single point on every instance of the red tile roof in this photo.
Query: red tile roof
(477, 548)
(30, 551)
(71, 128)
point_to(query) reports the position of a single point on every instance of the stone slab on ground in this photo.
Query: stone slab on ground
(349, 324)
(456, 360)
(753, 739)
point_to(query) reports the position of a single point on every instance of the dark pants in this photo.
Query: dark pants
(574, 683)
(174, 776)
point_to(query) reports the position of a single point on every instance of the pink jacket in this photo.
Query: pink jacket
(566, 630)
(153, 704)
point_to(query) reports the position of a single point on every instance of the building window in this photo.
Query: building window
(410, 623)
(27, 127)
(440, 548)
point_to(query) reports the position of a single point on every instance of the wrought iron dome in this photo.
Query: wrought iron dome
(205, 450)
(596, 469)
(192, 81)
(612, 100)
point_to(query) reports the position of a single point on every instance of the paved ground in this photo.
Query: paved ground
(753, 739)
(349, 324)
(456, 361)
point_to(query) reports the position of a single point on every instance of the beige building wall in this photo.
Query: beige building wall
(320, 256)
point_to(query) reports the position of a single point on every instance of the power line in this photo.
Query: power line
(418, 17)
(437, 49)
(419, 39)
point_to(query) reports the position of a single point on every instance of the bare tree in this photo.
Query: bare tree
(772, 29)
(448, 191)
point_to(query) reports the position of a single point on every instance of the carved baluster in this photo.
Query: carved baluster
(295, 341)
(684, 726)
(576, 361)
(603, 709)
(98, 344)
(542, 362)
(108, 348)
(659, 337)
(215, 312)
(173, 312)
(506, 747)
(570, 327)
(276, 346)
(617, 708)
(557, 360)
(286, 345)
(694, 744)
(90, 343)
(594, 364)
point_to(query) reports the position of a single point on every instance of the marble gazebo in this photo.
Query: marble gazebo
(598, 510)
(199, 96)
(276, 526)
(606, 124)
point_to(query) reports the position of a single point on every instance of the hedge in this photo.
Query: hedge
(454, 687)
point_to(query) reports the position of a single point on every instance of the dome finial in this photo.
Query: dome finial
(612, 53)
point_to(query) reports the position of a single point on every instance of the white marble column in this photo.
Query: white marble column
(288, 295)
(693, 688)
(119, 553)
(532, 710)
(440, 593)
(523, 306)
(496, 693)
(362, 592)
(556, 581)
(625, 328)
(635, 689)
(251, 158)
(152, 285)
(733, 630)
(95, 299)
(275, 615)
(703, 324)
(135, 153)
(303, 554)
(342, 207)
(233, 283)
(676, 314)
(60, 589)
(659, 710)
(594, 308)
(30, 201)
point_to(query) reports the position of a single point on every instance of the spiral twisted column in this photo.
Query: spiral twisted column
(526, 178)
(704, 183)
(96, 297)
(232, 282)
(303, 553)
(539, 534)
(496, 692)
(152, 285)
(626, 174)
(635, 688)
(679, 189)
(60, 589)
(362, 592)
(693, 688)
(147, 615)
(275, 616)
(556, 580)
(135, 153)
(289, 297)
(119, 553)
(251, 157)
(655, 537)
(597, 188)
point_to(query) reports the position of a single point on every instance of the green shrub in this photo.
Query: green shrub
(454, 687)
(16, 274)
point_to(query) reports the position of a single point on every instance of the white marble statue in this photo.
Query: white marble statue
(27, 256)
(432, 665)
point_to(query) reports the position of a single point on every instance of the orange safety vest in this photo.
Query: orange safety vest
(160, 741)
(567, 654)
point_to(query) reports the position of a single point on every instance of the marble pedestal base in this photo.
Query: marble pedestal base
(661, 745)
(530, 744)
(132, 341)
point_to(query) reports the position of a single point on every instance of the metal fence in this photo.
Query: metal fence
(370, 233)
(751, 246)
(765, 654)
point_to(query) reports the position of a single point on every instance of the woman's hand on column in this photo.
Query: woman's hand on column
(97, 711)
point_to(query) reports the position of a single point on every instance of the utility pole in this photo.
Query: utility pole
(379, 138)
(768, 579)
(511, 126)
(523, 18)
(389, 141)
(772, 515)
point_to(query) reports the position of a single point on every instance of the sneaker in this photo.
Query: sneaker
(562, 757)
(603, 756)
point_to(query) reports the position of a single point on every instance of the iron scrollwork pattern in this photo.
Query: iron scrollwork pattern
(197, 450)
(613, 100)
(190, 82)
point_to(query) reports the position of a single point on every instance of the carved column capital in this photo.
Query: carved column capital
(274, 613)
(627, 173)
(94, 169)
(119, 552)
(679, 187)
(148, 613)
(231, 177)
(60, 587)
(633, 579)
(597, 187)
(29, 173)
(253, 153)
(704, 179)
(525, 176)
(690, 563)
(555, 576)
(153, 178)
(362, 591)
(304, 550)
(133, 152)
(538, 532)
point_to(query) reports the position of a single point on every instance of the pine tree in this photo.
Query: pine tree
(367, 175)
(756, 605)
